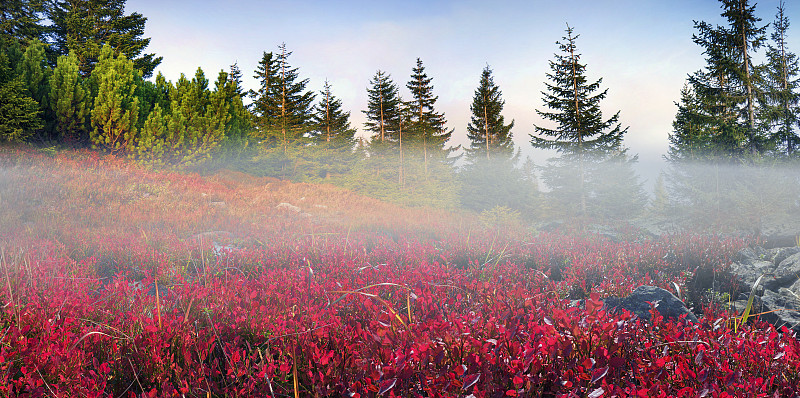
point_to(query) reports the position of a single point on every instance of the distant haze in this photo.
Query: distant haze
(642, 49)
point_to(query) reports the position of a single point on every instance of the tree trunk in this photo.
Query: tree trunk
(486, 126)
(749, 84)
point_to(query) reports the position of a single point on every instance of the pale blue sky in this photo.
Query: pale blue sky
(642, 49)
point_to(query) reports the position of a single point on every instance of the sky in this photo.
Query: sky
(642, 49)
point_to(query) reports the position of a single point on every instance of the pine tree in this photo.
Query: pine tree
(197, 121)
(228, 91)
(383, 109)
(151, 145)
(34, 72)
(19, 113)
(581, 135)
(780, 105)
(487, 131)
(68, 101)
(85, 26)
(116, 107)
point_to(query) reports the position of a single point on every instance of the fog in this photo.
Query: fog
(757, 199)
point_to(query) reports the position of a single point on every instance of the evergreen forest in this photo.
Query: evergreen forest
(78, 75)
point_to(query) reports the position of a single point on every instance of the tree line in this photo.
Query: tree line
(85, 80)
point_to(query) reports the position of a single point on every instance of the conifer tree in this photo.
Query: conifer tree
(580, 135)
(68, 101)
(197, 120)
(331, 123)
(152, 143)
(116, 107)
(19, 113)
(20, 21)
(383, 109)
(726, 90)
(487, 131)
(282, 106)
(331, 140)
(34, 71)
(744, 38)
(235, 77)
(85, 26)
(228, 91)
(426, 127)
(266, 101)
(691, 139)
(780, 105)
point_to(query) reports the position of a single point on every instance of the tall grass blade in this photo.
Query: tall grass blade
(746, 312)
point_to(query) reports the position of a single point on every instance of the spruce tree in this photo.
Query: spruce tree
(726, 90)
(85, 26)
(745, 37)
(331, 123)
(490, 179)
(780, 106)
(487, 131)
(282, 106)
(581, 135)
(383, 109)
(20, 21)
(266, 101)
(691, 139)
(68, 101)
(235, 77)
(331, 139)
(116, 107)
(426, 127)
(19, 113)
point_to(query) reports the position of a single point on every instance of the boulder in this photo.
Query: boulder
(779, 290)
(785, 304)
(638, 302)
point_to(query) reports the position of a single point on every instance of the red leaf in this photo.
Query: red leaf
(470, 380)
(518, 381)
(598, 374)
(511, 393)
(386, 385)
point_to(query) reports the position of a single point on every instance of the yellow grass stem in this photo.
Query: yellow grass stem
(158, 306)
(294, 374)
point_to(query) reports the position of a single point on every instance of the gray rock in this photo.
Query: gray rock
(750, 270)
(788, 271)
(779, 292)
(638, 302)
(786, 305)
(782, 253)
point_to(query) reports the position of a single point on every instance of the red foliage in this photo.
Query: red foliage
(434, 312)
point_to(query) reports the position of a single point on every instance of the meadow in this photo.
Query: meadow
(119, 281)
